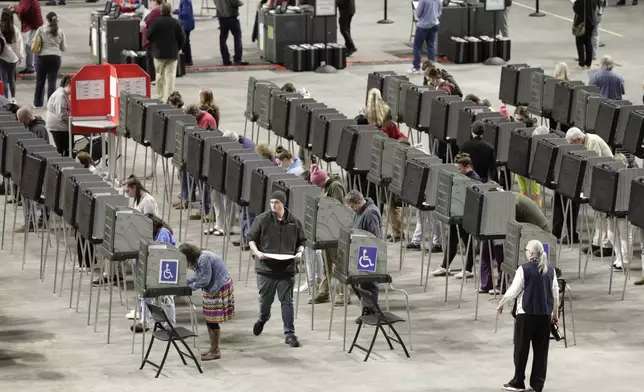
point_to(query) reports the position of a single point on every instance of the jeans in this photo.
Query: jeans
(425, 35)
(30, 59)
(61, 140)
(585, 47)
(247, 219)
(226, 26)
(47, 68)
(187, 49)
(344, 22)
(8, 78)
(166, 71)
(267, 287)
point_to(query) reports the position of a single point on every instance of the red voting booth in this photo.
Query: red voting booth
(132, 79)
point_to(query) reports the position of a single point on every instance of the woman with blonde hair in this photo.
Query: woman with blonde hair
(562, 73)
(377, 111)
(536, 291)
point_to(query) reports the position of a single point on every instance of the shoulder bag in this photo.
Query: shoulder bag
(36, 43)
(579, 30)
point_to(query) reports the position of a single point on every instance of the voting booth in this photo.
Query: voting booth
(622, 121)
(53, 180)
(521, 146)
(271, 179)
(487, 210)
(258, 184)
(607, 116)
(634, 134)
(163, 124)
(69, 195)
(235, 168)
(326, 134)
(413, 105)
(8, 141)
(160, 270)
(391, 92)
(439, 121)
(498, 132)
(380, 171)
(20, 149)
(562, 105)
(547, 160)
(538, 94)
(360, 253)
(584, 96)
(416, 177)
(426, 105)
(262, 102)
(193, 151)
(33, 175)
(354, 152)
(635, 210)
(324, 218)
(401, 154)
(211, 152)
(376, 80)
(302, 120)
(125, 227)
(516, 84)
(611, 187)
(517, 238)
(573, 172)
(450, 201)
(466, 117)
(92, 203)
(580, 93)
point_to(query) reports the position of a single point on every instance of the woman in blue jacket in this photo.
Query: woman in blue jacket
(161, 232)
(212, 277)
(187, 20)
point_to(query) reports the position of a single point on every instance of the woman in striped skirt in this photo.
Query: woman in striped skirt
(212, 277)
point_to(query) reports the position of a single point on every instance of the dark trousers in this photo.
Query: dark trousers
(149, 60)
(61, 140)
(8, 77)
(267, 287)
(422, 36)
(531, 329)
(453, 245)
(226, 26)
(585, 48)
(47, 68)
(486, 265)
(558, 218)
(187, 49)
(344, 22)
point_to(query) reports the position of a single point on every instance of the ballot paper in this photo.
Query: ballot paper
(276, 256)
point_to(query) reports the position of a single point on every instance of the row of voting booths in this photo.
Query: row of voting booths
(580, 176)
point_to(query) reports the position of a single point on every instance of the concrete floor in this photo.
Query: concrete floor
(46, 346)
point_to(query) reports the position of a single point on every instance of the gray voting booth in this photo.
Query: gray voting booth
(125, 227)
(518, 236)
(323, 219)
(160, 270)
(360, 253)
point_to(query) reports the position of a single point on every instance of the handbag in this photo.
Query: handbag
(579, 30)
(36, 44)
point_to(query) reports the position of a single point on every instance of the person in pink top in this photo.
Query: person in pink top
(204, 119)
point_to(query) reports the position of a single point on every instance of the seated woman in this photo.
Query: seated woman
(212, 277)
(161, 232)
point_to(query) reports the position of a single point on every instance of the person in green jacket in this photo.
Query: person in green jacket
(333, 187)
(524, 183)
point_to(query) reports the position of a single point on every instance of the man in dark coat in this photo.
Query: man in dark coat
(346, 9)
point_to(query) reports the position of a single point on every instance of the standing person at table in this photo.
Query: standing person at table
(278, 232)
(428, 14)
(228, 16)
(187, 20)
(58, 111)
(12, 55)
(346, 9)
(161, 232)
(212, 277)
(482, 154)
(584, 21)
(536, 291)
(30, 16)
(463, 163)
(53, 45)
(166, 38)
(144, 25)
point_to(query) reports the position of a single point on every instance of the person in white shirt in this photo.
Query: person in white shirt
(141, 199)
(12, 55)
(536, 291)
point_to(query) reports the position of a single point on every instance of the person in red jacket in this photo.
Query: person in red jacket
(30, 16)
(204, 119)
(154, 13)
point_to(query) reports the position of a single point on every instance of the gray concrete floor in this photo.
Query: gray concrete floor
(46, 346)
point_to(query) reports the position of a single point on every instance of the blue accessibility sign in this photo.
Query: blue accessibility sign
(169, 271)
(367, 257)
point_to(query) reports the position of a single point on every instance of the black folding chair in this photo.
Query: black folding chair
(372, 315)
(166, 332)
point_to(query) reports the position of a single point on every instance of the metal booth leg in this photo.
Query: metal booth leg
(429, 259)
(460, 296)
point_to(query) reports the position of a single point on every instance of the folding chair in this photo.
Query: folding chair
(170, 334)
(372, 315)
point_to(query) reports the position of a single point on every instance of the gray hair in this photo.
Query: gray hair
(606, 62)
(537, 250)
(541, 130)
(562, 72)
(573, 134)
(353, 197)
(231, 134)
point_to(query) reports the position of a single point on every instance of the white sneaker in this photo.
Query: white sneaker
(303, 288)
(414, 71)
(130, 316)
(439, 272)
(468, 275)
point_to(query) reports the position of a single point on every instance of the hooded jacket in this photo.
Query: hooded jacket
(369, 219)
(333, 188)
(38, 128)
(272, 235)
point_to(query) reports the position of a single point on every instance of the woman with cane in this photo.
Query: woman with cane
(536, 293)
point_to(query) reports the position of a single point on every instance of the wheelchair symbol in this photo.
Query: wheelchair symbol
(367, 259)
(169, 271)
(167, 274)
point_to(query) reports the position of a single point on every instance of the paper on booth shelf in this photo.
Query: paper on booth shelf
(276, 256)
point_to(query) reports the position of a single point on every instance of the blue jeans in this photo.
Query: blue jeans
(246, 221)
(31, 209)
(425, 35)
(185, 191)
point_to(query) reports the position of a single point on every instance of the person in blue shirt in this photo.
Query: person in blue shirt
(536, 290)
(161, 232)
(212, 277)
(187, 20)
(428, 13)
(610, 83)
(293, 165)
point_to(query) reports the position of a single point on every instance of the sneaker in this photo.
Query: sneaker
(351, 52)
(104, 280)
(236, 243)
(639, 282)
(513, 387)
(138, 328)
(303, 288)
(435, 249)
(245, 247)
(241, 62)
(339, 300)
(292, 341)
(617, 268)
(412, 246)
(130, 316)
(319, 299)
(258, 327)
(468, 275)
(439, 272)
(607, 252)
(414, 71)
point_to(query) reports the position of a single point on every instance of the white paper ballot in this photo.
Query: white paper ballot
(276, 256)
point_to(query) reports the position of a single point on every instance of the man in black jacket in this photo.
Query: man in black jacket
(347, 8)
(227, 14)
(482, 154)
(276, 232)
(166, 37)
